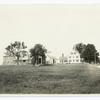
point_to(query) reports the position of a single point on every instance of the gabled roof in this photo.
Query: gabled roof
(74, 52)
(51, 57)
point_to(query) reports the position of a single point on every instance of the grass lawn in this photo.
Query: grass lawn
(56, 79)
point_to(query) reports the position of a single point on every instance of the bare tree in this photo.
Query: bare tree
(17, 50)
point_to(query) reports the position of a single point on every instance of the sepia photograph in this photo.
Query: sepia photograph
(50, 49)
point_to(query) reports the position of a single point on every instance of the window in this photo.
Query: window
(77, 60)
(24, 60)
(65, 61)
(76, 56)
(71, 53)
(75, 53)
(69, 56)
(69, 60)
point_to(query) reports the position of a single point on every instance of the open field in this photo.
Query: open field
(56, 79)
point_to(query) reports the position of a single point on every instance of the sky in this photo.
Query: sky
(57, 26)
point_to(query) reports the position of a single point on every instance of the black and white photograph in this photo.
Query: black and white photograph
(50, 49)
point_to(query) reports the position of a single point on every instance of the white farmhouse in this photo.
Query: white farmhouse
(51, 59)
(74, 57)
(11, 60)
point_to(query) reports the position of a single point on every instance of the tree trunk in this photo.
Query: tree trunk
(36, 60)
(18, 61)
(33, 61)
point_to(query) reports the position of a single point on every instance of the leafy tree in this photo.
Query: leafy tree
(36, 51)
(90, 54)
(17, 50)
(80, 47)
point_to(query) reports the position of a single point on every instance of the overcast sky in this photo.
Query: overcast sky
(57, 27)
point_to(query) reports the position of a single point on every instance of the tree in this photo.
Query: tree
(90, 54)
(36, 51)
(80, 47)
(17, 50)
